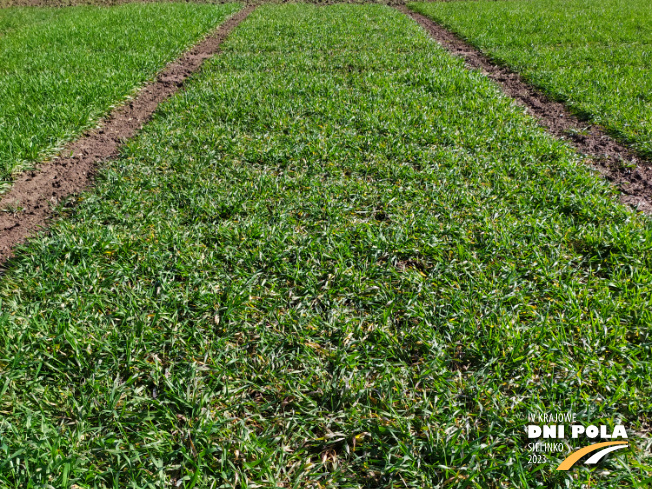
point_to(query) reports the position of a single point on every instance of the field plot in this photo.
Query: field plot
(595, 55)
(62, 69)
(337, 259)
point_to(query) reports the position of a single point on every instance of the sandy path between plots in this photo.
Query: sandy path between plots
(616, 162)
(29, 203)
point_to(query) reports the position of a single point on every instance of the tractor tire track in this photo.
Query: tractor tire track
(29, 204)
(615, 161)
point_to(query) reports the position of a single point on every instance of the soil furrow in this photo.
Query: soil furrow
(29, 203)
(616, 162)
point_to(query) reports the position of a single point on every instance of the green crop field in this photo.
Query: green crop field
(338, 259)
(63, 69)
(595, 55)
(17, 17)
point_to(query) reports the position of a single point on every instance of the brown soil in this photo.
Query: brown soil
(28, 205)
(616, 162)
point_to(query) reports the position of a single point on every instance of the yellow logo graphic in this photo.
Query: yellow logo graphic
(575, 456)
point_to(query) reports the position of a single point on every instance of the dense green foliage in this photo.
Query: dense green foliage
(63, 69)
(596, 55)
(337, 259)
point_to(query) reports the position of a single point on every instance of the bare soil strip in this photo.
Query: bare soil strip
(29, 203)
(617, 163)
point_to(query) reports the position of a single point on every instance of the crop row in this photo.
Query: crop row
(61, 70)
(594, 55)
